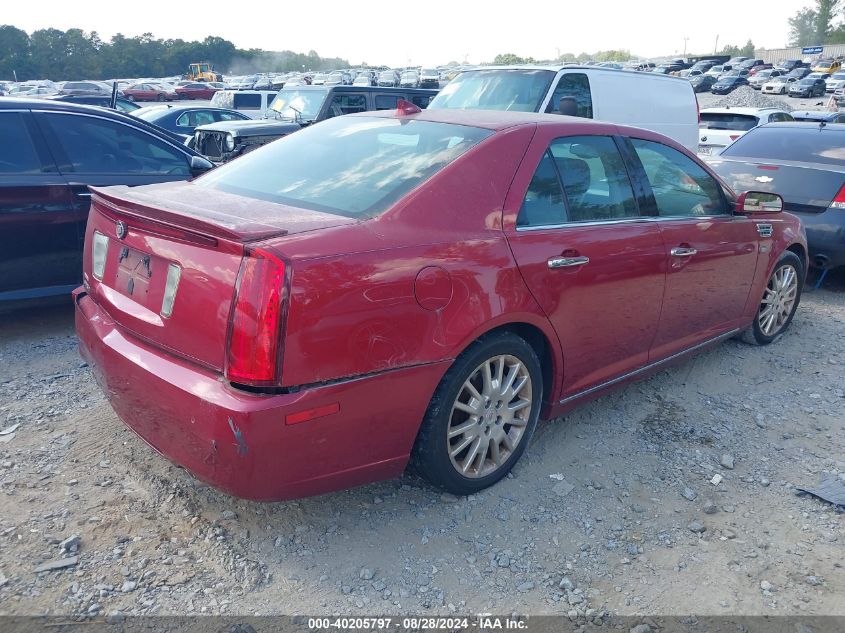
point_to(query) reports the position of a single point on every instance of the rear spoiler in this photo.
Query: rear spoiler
(201, 225)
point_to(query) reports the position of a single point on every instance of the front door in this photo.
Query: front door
(595, 266)
(711, 253)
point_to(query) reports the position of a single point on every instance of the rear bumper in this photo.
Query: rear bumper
(240, 442)
(825, 237)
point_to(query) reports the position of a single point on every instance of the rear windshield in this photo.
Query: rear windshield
(518, 90)
(727, 121)
(351, 166)
(802, 144)
(295, 104)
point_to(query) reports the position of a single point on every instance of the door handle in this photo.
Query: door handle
(567, 262)
(680, 251)
(80, 190)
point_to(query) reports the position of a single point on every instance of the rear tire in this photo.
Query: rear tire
(479, 420)
(779, 301)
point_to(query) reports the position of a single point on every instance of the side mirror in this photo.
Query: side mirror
(200, 165)
(759, 202)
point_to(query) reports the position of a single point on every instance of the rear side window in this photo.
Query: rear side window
(577, 86)
(802, 144)
(17, 154)
(247, 102)
(543, 203)
(594, 179)
(347, 104)
(98, 146)
(386, 102)
(681, 187)
(421, 101)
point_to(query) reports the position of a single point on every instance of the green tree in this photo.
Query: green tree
(802, 28)
(14, 53)
(825, 10)
(748, 49)
(508, 59)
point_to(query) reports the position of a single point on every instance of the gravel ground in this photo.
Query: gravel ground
(747, 96)
(611, 511)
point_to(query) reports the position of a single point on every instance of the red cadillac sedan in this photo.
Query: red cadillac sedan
(416, 286)
(197, 90)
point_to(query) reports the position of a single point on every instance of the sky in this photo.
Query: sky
(429, 32)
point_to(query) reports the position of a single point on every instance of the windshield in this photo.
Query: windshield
(803, 144)
(351, 166)
(518, 90)
(727, 121)
(429, 71)
(291, 104)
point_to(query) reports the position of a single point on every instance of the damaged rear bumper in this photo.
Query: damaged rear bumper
(243, 443)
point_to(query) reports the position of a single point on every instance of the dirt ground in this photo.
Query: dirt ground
(611, 511)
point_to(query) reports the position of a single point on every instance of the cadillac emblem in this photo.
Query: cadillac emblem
(120, 229)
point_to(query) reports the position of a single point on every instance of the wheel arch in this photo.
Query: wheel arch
(544, 343)
(801, 252)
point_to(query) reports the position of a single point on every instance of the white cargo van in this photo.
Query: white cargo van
(656, 102)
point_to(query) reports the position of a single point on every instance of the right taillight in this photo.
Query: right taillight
(839, 200)
(256, 320)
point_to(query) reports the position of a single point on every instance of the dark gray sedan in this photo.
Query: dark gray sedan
(805, 164)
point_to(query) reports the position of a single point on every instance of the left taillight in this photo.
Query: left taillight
(99, 251)
(254, 355)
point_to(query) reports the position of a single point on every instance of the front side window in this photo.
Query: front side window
(577, 86)
(351, 166)
(99, 146)
(681, 187)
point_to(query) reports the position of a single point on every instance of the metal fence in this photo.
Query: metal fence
(774, 55)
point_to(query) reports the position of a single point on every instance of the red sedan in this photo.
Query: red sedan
(149, 92)
(197, 90)
(416, 286)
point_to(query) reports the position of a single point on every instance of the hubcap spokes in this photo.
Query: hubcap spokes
(489, 416)
(778, 300)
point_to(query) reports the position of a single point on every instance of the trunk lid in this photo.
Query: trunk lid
(184, 243)
(804, 187)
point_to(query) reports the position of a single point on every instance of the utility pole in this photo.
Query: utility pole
(686, 39)
(716, 45)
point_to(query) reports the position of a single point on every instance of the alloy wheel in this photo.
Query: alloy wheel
(489, 416)
(778, 300)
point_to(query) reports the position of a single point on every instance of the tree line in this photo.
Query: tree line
(76, 54)
(822, 23)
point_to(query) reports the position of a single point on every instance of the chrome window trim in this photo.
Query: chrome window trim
(636, 220)
(96, 115)
(650, 366)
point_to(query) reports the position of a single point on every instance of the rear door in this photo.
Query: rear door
(594, 264)
(711, 254)
(40, 227)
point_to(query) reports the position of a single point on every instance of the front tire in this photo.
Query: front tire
(482, 415)
(779, 301)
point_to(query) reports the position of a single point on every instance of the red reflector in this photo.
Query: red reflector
(311, 414)
(733, 137)
(406, 107)
(839, 200)
(256, 320)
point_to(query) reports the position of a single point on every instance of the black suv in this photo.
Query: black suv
(295, 108)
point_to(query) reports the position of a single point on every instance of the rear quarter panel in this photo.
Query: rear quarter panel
(360, 310)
